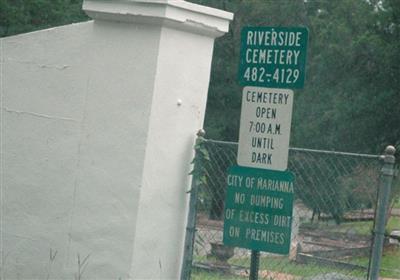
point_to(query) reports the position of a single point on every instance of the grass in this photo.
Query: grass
(397, 203)
(363, 227)
(390, 259)
(393, 224)
(276, 264)
(202, 275)
(284, 265)
(389, 263)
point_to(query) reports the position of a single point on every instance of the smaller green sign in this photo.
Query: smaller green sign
(273, 57)
(258, 209)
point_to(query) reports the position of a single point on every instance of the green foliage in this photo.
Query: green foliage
(199, 161)
(334, 184)
(389, 263)
(209, 167)
(394, 198)
(360, 187)
(351, 85)
(318, 183)
(393, 224)
(214, 166)
(351, 97)
(224, 99)
(18, 16)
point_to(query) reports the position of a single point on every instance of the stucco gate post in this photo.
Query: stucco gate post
(185, 34)
(98, 122)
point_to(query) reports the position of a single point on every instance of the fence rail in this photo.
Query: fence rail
(335, 198)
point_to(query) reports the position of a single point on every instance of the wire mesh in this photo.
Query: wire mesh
(335, 195)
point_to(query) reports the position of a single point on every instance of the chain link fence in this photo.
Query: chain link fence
(335, 197)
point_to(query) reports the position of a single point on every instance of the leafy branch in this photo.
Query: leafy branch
(200, 158)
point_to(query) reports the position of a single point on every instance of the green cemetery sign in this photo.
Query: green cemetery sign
(273, 57)
(258, 209)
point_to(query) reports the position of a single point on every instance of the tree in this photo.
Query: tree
(19, 16)
(351, 94)
(351, 87)
(351, 97)
(224, 102)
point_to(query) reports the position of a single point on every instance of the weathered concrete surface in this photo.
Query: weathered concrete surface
(98, 122)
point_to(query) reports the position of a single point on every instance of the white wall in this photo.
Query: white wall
(98, 122)
(75, 125)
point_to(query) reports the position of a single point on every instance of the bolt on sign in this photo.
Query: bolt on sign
(264, 131)
(258, 209)
(273, 57)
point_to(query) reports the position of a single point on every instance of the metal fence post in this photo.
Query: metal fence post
(191, 224)
(385, 183)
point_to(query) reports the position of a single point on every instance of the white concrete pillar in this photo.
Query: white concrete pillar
(98, 125)
(186, 38)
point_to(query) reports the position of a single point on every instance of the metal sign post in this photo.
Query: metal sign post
(259, 199)
(254, 264)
